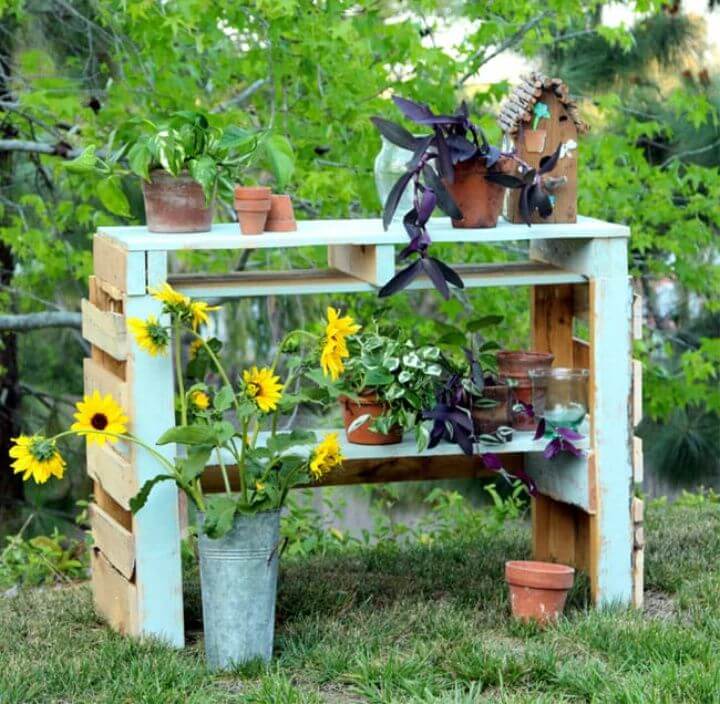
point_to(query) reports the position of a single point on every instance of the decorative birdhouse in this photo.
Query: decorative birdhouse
(538, 117)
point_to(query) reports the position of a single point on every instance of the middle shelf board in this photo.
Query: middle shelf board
(313, 281)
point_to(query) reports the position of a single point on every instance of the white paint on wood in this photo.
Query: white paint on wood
(105, 330)
(115, 541)
(564, 478)
(354, 232)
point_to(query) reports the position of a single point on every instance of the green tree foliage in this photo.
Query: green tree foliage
(75, 71)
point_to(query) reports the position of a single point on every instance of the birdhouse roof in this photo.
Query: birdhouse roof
(518, 107)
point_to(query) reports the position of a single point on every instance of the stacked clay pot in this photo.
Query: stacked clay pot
(281, 217)
(252, 205)
(514, 368)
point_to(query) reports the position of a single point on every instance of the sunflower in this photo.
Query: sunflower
(199, 313)
(37, 457)
(149, 334)
(335, 348)
(194, 348)
(263, 387)
(200, 400)
(169, 296)
(98, 415)
(326, 456)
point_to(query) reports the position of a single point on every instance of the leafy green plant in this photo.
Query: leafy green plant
(185, 141)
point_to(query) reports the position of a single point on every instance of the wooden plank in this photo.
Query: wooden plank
(637, 510)
(552, 322)
(113, 472)
(637, 394)
(97, 378)
(638, 577)
(374, 264)
(564, 478)
(314, 281)
(114, 540)
(637, 312)
(581, 301)
(105, 302)
(114, 596)
(580, 353)
(638, 460)
(104, 330)
(120, 270)
(360, 231)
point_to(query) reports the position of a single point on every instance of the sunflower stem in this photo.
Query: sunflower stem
(179, 373)
(226, 481)
(241, 463)
(218, 365)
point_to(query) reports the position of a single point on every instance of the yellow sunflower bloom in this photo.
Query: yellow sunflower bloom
(335, 348)
(326, 456)
(37, 458)
(149, 334)
(169, 296)
(200, 400)
(199, 311)
(194, 348)
(97, 415)
(263, 387)
(259, 486)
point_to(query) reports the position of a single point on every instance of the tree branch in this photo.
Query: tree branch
(242, 96)
(36, 321)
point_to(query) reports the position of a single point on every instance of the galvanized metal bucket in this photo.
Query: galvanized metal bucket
(238, 578)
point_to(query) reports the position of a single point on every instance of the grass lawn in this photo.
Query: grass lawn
(402, 624)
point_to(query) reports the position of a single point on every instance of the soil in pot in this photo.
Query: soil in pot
(252, 204)
(479, 200)
(489, 419)
(367, 404)
(513, 368)
(176, 204)
(281, 217)
(538, 590)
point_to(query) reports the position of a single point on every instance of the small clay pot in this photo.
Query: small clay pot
(252, 204)
(514, 367)
(281, 217)
(176, 204)
(535, 140)
(479, 200)
(252, 193)
(367, 404)
(538, 590)
(489, 419)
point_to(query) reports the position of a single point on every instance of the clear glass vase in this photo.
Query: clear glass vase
(560, 396)
(390, 164)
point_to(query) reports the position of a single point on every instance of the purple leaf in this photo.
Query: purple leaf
(524, 206)
(427, 205)
(539, 200)
(436, 276)
(393, 198)
(506, 180)
(492, 156)
(529, 176)
(526, 479)
(444, 200)
(540, 430)
(461, 149)
(445, 412)
(444, 161)
(451, 276)
(422, 144)
(491, 461)
(550, 164)
(402, 279)
(554, 447)
(569, 433)
(395, 133)
(412, 110)
(464, 440)
(567, 446)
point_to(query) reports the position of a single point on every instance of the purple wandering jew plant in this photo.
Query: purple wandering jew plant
(562, 440)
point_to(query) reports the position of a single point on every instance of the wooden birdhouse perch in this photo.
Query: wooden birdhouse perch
(538, 115)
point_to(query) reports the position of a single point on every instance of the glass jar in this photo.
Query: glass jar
(560, 396)
(390, 164)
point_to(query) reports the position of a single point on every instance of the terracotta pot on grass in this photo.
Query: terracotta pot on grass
(479, 200)
(176, 204)
(538, 590)
(489, 419)
(252, 204)
(367, 404)
(281, 217)
(513, 368)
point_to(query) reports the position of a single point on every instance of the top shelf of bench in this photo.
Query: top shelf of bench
(352, 232)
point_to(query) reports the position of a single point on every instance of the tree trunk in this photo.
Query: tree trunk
(11, 487)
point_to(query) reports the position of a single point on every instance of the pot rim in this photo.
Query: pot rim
(252, 206)
(539, 575)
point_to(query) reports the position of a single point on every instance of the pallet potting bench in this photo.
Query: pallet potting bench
(585, 514)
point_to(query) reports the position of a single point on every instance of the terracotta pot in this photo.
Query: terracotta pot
(281, 217)
(176, 204)
(252, 193)
(513, 367)
(535, 140)
(538, 590)
(252, 215)
(367, 404)
(479, 200)
(488, 420)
